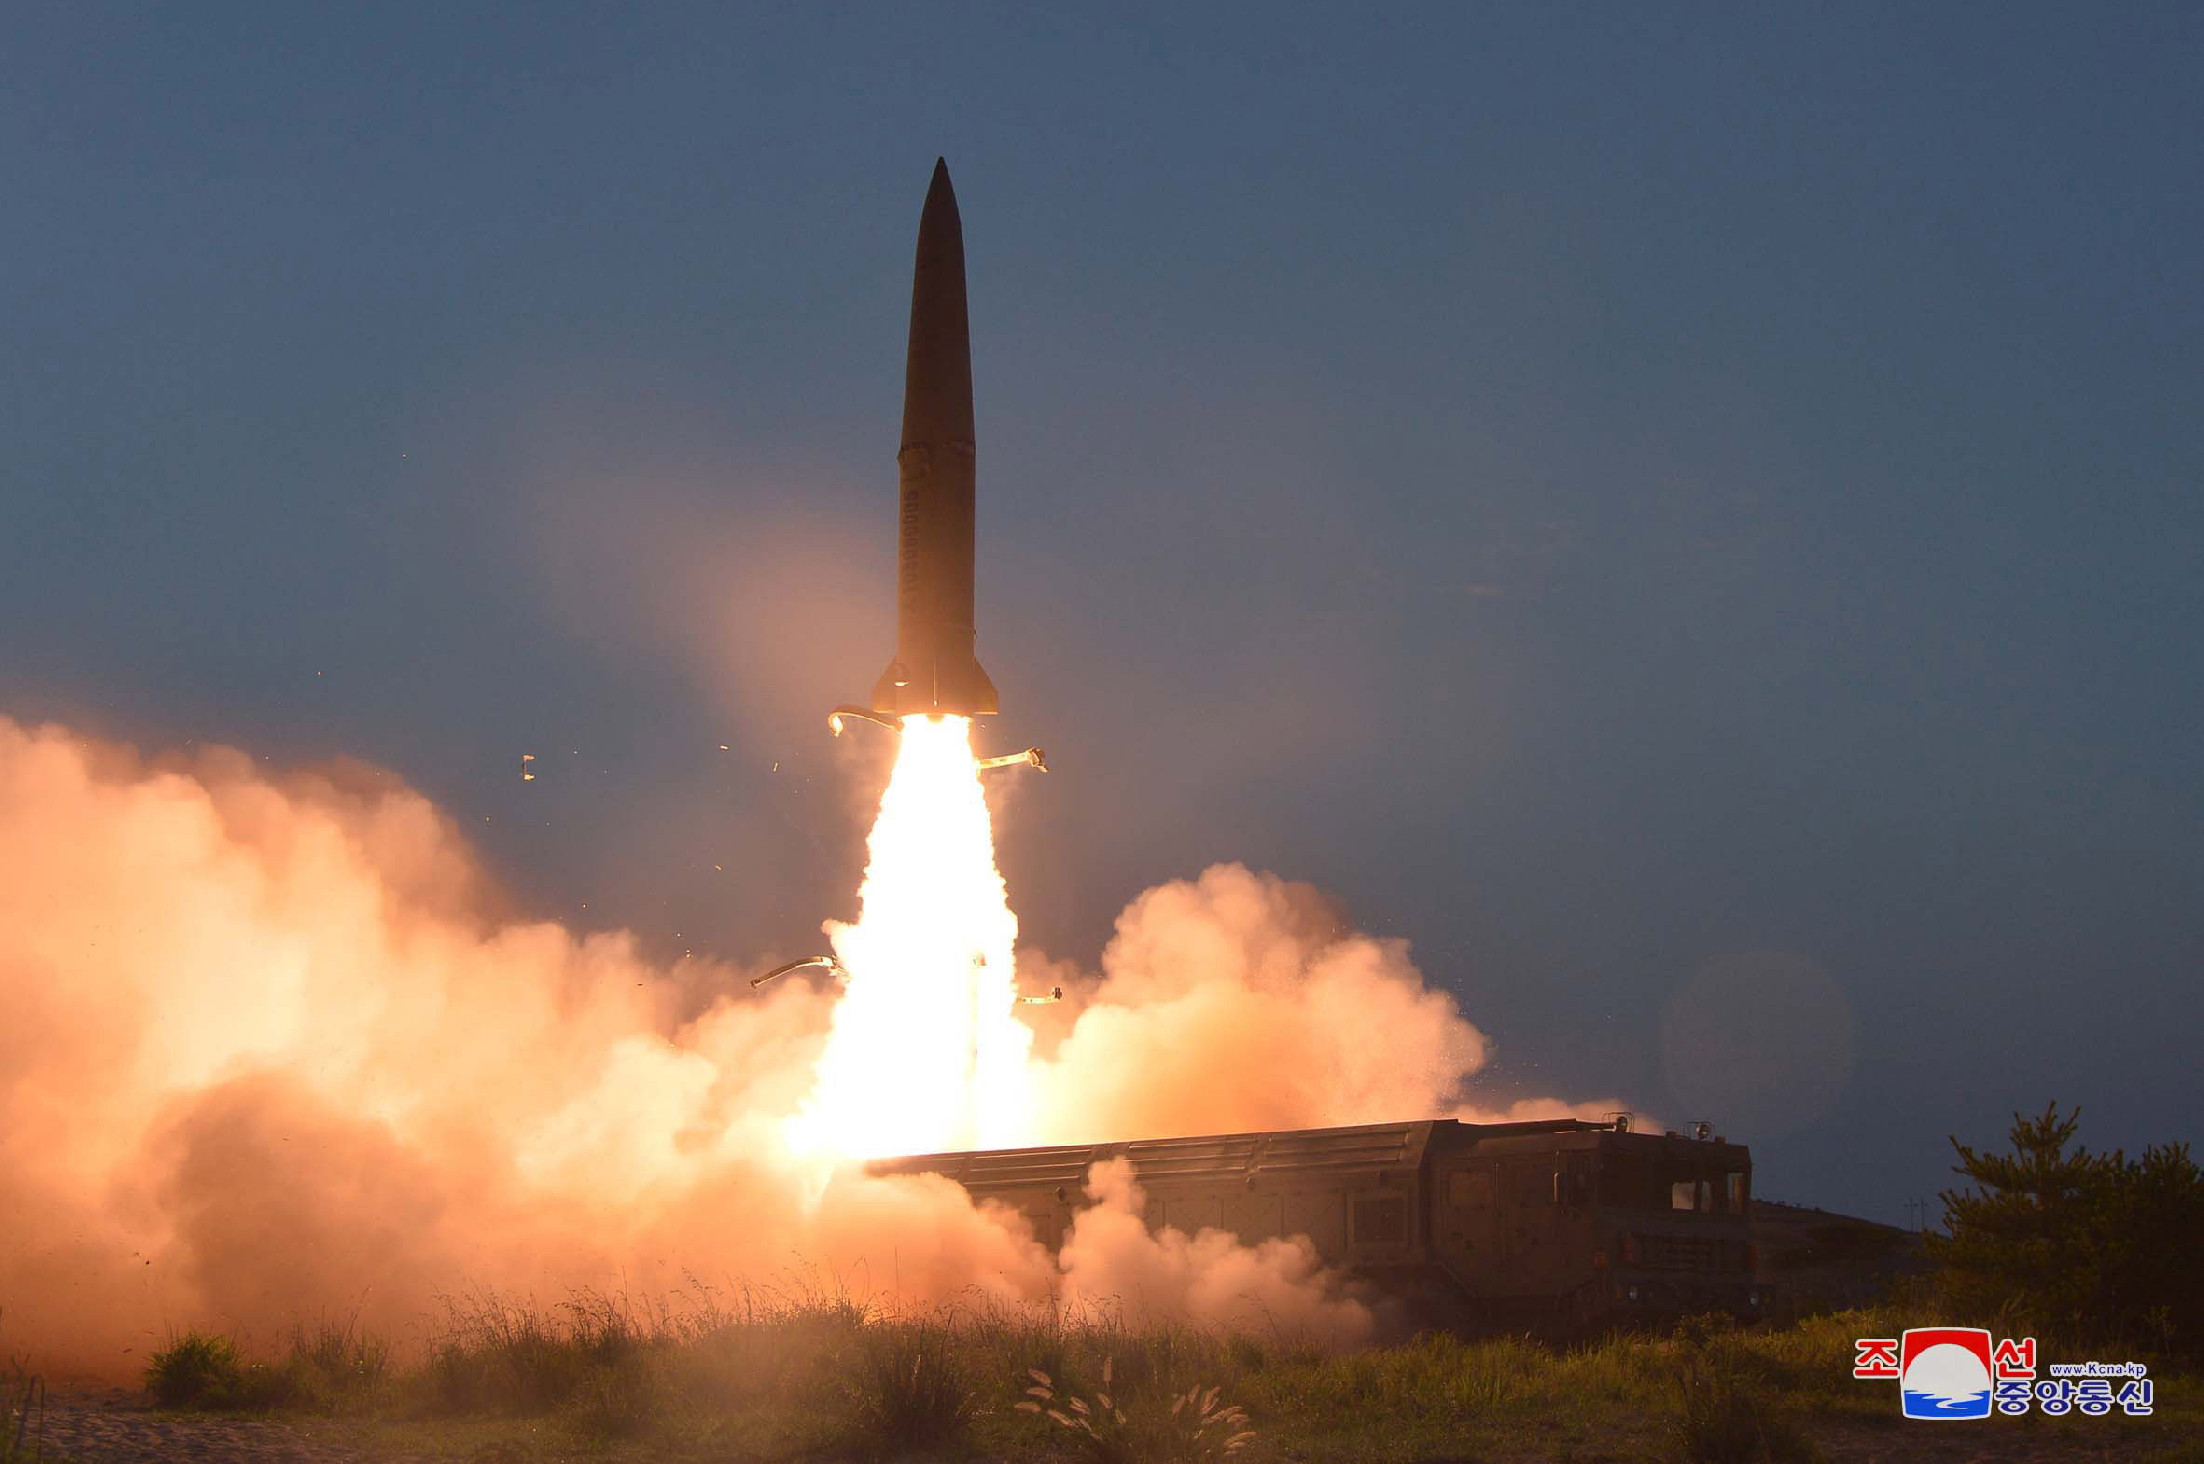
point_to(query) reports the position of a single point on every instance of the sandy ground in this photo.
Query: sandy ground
(119, 1427)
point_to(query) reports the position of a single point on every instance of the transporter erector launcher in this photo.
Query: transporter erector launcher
(935, 670)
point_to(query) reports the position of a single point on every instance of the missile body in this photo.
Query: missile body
(935, 670)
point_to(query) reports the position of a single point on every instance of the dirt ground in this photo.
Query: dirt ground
(118, 1426)
(2003, 1440)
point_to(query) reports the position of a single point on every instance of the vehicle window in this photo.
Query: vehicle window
(1739, 1197)
(1681, 1194)
(1706, 1197)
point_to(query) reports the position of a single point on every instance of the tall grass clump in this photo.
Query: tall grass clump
(906, 1388)
(1138, 1428)
(617, 1398)
(1725, 1416)
(497, 1356)
(332, 1366)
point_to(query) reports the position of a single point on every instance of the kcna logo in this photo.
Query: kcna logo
(1955, 1372)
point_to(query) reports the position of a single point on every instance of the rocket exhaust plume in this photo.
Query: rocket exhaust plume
(925, 1052)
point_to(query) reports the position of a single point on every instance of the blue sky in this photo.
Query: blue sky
(1690, 516)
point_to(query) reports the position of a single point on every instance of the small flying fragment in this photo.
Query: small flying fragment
(527, 774)
(1032, 757)
(1055, 994)
(824, 963)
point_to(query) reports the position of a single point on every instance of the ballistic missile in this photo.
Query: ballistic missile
(935, 670)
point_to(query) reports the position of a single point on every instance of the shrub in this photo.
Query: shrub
(197, 1370)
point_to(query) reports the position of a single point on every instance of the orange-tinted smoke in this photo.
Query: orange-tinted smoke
(268, 1052)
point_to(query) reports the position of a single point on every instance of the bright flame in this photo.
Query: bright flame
(925, 1055)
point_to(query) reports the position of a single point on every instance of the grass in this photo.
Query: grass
(327, 1368)
(22, 1432)
(753, 1378)
(22, 1416)
(1137, 1426)
(1727, 1416)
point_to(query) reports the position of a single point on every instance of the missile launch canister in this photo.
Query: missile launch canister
(935, 669)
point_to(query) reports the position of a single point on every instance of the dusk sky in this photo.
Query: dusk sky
(1689, 516)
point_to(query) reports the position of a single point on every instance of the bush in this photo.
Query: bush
(197, 1370)
(205, 1370)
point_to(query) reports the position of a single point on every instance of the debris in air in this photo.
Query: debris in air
(824, 963)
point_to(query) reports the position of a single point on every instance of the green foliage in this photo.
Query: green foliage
(327, 1368)
(778, 1380)
(1725, 1415)
(1726, 1401)
(197, 1370)
(2089, 1247)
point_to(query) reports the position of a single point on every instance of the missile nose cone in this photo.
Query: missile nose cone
(937, 373)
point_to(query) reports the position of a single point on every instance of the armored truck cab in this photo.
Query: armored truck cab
(1553, 1225)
